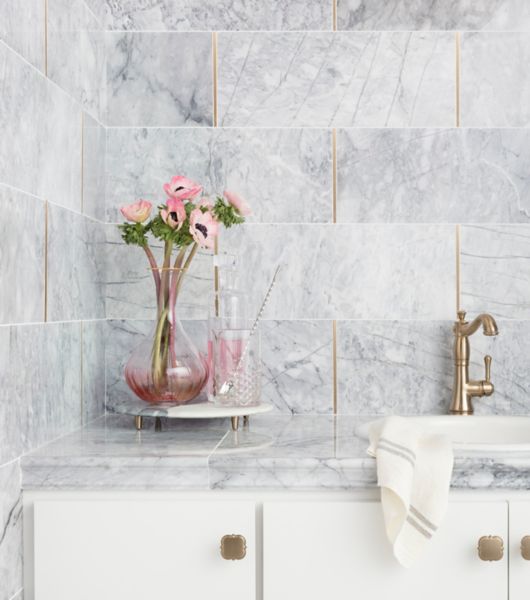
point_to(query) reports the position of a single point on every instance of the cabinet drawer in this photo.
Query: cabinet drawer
(315, 550)
(115, 550)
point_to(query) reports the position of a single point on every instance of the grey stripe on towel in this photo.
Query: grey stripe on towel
(399, 447)
(422, 519)
(396, 452)
(418, 527)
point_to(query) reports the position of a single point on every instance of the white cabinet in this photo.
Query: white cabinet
(141, 549)
(315, 550)
(519, 566)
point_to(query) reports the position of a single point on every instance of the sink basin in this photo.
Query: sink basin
(475, 433)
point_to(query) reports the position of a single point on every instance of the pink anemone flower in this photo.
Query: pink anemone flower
(238, 203)
(182, 188)
(137, 212)
(175, 215)
(203, 228)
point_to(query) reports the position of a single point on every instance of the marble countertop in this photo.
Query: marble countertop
(273, 452)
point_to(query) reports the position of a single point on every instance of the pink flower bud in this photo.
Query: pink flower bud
(137, 212)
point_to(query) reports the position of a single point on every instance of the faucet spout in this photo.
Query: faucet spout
(488, 323)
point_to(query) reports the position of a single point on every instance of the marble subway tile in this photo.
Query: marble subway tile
(375, 79)
(285, 174)
(101, 10)
(22, 28)
(94, 153)
(130, 291)
(10, 530)
(407, 15)
(433, 175)
(122, 337)
(215, 15)
(40, 396)
(93, 371)
(76, 53)
(495, 91)
(40, 146)
(22, 231)
(348, 271)
(394, 367)
(159, 79)
(495, 266)
(76, 266)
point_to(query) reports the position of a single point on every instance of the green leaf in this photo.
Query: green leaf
(134, 233)
(226, 213)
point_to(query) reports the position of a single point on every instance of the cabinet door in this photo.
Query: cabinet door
(519, 566)
(138, 550)
(339, 550)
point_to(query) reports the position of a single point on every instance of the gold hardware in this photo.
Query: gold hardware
(233, 547)
(490, 548)
(139, 422)
(525, 547)
(464, 389)
(235, 423)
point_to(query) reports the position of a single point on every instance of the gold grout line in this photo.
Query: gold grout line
(45, 260)
(214, 66)
(46, 37)
(334, 174)
(334, 15)
(334, 355)
(457, 40)
(458, 281)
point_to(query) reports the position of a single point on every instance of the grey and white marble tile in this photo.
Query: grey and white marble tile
(433, 175)
(159, 79)
(22, 231)
(122, 337)
(93, 371)
(368, 271)
(510, 368)
(10, 530)
(215, 15)
(495, 91)
(22, 27)
(394, 367)
(285, 174)
(130, 291)
(76, 53)
(297, 366)
(375, 79)
(40, 146)
(495, 267)
(40, 396)
(407, 15)
(101, 10)
(76, 266)
(94, 153)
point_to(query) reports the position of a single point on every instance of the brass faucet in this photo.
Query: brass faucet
(464, 390)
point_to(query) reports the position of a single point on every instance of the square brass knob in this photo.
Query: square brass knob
(490, 547)
(233, 547)
(525, 547)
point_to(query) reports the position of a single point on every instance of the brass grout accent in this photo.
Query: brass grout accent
(334, 174)
(214, 67)
(45, 260)
(457, 40)
(334, 15)
(334, 358)
(46, 37)
(458, 283)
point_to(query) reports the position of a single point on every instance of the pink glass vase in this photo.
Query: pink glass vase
(167, 367)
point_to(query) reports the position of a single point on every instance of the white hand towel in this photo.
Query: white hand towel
(414, 473)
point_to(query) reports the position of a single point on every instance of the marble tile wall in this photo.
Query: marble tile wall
(52, 241)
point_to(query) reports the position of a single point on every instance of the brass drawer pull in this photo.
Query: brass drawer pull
(490, 547)
(525, 547)
(233, 547)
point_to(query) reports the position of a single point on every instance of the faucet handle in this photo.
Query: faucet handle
(487, 364)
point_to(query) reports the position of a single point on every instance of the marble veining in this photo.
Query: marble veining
(75, 287)
(94, 157)
(433, 175)
(375, 79)
(40, 145)
(93, 356)
(219, 15)
(22, 28)
(304, 452)
(509, 15)
(159, 79)
(40, 396)
(76, 53)
(285, 174)
(495, 90)
(10, 530)
(394, 367)
(316, 282)
(21, 257)
(495, 270)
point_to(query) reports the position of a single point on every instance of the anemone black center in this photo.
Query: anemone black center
(174, 216)
(202, 228)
